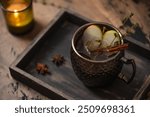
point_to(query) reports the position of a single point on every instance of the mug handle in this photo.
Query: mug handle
(122, 76)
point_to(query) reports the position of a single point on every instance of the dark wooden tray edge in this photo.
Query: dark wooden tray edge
(141, 94)
(140, 47)
(37, 84)
(36, 40)
(30, 80)
(20, 75)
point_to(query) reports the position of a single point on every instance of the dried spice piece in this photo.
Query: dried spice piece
(128, 25)
(127, 20)
(42, 68)
(134, 30)
(58, 60)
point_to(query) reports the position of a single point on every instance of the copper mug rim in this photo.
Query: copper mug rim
(95, 23)
(12, 11)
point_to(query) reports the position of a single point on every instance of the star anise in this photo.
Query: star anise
(58, 60)
(42, 68)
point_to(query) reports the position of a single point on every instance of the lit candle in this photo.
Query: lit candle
(19, 16)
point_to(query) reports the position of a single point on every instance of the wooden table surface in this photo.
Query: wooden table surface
(111, 11)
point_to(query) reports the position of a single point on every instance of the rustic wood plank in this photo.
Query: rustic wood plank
(55, 37)
(141, 94)
(12, 46)
(112, 11)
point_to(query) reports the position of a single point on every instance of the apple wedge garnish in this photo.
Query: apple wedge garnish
(92, 38)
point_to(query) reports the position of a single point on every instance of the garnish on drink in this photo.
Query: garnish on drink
(98, 43)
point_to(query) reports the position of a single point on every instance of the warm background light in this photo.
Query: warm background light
(18, 15)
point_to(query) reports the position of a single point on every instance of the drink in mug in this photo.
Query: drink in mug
(97, 54)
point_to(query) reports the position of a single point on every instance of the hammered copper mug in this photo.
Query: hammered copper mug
(99, 73)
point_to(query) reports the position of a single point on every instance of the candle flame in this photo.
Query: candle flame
(16, 14)
(15, 10)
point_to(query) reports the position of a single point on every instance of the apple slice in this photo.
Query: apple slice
(92, 38)
(110, 39)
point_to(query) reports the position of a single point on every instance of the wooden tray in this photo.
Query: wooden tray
(63, 83)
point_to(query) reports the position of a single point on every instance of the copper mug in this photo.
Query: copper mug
(99, 73)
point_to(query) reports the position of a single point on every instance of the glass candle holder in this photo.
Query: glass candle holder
(18, 15)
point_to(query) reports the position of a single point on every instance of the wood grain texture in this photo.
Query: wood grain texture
(143, 90)
(112, 11)
(62, 83)
(12, 46)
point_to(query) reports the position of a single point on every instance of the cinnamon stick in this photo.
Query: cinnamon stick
(117, 48)
(112, 49)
